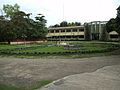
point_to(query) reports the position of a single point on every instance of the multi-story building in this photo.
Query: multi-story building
(66, 33)
(93, 31)
(96, 29)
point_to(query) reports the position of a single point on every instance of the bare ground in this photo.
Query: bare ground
(27, 72)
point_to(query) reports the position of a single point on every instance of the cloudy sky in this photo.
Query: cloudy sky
(57, 11)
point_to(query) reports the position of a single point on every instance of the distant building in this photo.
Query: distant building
(95, 30)
(113, 35)
(66, 33)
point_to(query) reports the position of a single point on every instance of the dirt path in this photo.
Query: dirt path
(25, 72)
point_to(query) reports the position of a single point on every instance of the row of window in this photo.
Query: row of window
(81, 36)
(68, 30)
(114, 36)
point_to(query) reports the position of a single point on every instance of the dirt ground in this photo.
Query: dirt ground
(26, 72)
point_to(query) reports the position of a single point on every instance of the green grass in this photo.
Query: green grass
(38, 85)
(41, 84)
(8, 87)
(45, 49)
(85, 47)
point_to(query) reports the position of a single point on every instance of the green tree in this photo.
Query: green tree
(104, 34)
(118, 21)
(17, 24)
(40, 26)
(64, 24)
(20, 23)
(87, 32)
(111, 25)
(10, 10)
(2, 26)
(6, 33)
(114, 24)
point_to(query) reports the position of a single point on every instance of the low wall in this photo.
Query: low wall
(27, 42)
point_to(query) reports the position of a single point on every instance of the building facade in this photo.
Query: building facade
(66, 33)
(95, 30)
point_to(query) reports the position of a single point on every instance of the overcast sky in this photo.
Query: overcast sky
(57, 11)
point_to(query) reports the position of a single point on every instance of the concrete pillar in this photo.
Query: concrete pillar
(100, 30)
(91, 27)
(59, 35)
(65, 31)
(91, 30)
(95, 27)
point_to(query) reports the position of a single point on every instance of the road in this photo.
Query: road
(27, 72)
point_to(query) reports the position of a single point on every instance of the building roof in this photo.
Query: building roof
(113, 33)
(70, 27)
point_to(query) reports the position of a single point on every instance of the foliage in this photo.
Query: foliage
(16, 24)
(104, 35)
(6, 33)
(10, 10)
(59, 50)
(87, 32)
(118, 21)
(114, 23)
(33, 87)
(6, 87)
(65, 24)
(111, 25)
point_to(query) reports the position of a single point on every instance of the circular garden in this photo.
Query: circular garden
(53, 49)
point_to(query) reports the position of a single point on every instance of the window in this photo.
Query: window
(81, 36)
(113, 36)
(57, 31)
(68, 30)
(52, 31)
(74, 30)
(62, 30)
(81, 29)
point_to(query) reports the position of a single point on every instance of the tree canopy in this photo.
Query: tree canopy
(114, 23)
(66, 24)
(16, 24)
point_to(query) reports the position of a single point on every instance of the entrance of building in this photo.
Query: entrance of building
(95, 36)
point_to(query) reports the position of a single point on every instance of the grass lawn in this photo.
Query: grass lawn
(51, 49)
(39, 85)
(6, 87)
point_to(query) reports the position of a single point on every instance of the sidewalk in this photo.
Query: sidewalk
(106, 78)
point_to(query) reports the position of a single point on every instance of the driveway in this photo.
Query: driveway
(27, 72)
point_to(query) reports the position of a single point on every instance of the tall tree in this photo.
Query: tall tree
(104, 34)
(6, 30)
(20, 24)
(111, 25)
(87, 32)
(118, 21)
(114, 24)
(17, 24)
(40, 25)
(10, 10)
(64, 24)
(2, 26)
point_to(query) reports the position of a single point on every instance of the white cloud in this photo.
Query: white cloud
(74, 10)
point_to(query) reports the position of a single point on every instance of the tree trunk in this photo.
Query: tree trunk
(8, 42)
